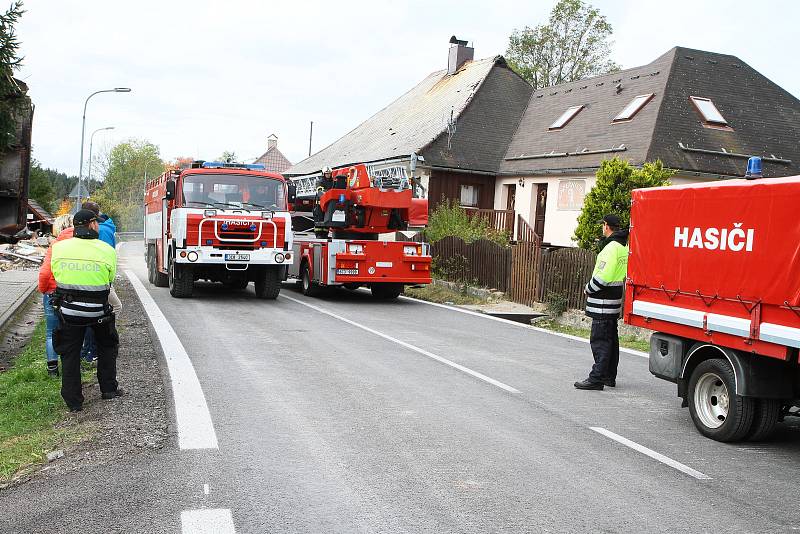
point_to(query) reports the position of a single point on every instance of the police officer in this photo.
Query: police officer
(604, 304)
(84, 268)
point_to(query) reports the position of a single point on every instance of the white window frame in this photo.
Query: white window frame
(633, 107)
(566, 117)
(713, 121)
(476, 193)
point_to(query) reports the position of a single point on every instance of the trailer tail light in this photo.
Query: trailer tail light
(287, 256)
(183, 253)
(210, 213)
(355, 248)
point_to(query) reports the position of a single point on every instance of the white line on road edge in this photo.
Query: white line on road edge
(651, 453)
(195, 429)
(410, 347)
(207, 521)
(520, 325)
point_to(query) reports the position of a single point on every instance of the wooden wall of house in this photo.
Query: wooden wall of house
(447, 184)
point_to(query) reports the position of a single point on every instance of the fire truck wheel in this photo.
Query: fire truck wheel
(268, 283)
(765, 417)
(156, 278)
(181, 281)
(716, 410)
(386, 291)
(307, 286)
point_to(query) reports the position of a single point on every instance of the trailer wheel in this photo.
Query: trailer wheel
(156, 278)
(765, 417)
(716, 410)
(181, 281)
(308, 286)
(268, 283)
(386, 291)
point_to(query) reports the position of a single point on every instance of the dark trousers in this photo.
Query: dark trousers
(68, 340)
(605, 349)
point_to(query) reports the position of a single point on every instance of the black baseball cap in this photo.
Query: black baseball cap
(612, 220)
(84, 217)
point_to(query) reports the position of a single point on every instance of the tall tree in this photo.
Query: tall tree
(228, 156)
(122, 194)
(574, 44)
(616, 178)
(10, 92)
(40, 187)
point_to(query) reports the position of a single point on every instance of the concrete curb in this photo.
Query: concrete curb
(9, 314)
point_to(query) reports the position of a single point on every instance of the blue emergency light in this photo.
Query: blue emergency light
(753, 168)
(252, 227)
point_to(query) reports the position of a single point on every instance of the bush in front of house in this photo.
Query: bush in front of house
(616, 178)
(450, 219)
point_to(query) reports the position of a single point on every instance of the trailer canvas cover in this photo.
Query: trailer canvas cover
(729, 250)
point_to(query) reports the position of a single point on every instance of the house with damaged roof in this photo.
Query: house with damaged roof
(700, 113)
(450, 132)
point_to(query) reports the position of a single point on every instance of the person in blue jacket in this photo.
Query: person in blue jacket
(107, 230)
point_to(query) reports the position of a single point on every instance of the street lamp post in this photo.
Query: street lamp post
(91, 141)
(83, 130)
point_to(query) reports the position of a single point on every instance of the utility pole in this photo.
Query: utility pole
(310, 135)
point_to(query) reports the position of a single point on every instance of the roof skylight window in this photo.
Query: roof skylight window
(566, 117)
(633, 108)
(708, 110)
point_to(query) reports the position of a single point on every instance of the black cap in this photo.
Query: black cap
(84, 217)
(613, 221)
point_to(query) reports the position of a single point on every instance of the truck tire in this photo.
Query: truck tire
(156, 278)
(386, 291)
(716, 410)
(181, 281)
(268, 283)
(765, 417)
(307, 285)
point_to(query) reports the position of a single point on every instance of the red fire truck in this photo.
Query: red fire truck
(342, 216)
(714, 268)
(219, 222)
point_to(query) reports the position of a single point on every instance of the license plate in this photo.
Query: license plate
(237, 257)
(383, 264)
(351, 272)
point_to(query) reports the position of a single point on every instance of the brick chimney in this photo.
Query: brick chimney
(459, 54)
(272, 142)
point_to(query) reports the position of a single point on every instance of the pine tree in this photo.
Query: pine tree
(611, 193)
(10, 91)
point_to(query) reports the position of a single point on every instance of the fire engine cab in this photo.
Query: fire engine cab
(220, 222)
(345, 222)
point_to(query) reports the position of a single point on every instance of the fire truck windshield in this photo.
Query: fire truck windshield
(235, 190)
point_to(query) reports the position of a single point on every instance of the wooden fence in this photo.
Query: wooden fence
(481, 262)
(563, 273)
(500, 220)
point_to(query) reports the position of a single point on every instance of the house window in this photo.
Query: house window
(469, 195)
(566, 117)
(708, 111)
(633, 108)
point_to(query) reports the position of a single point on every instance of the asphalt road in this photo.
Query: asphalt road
(362, 416)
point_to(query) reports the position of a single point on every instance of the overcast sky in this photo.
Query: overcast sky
(209, 76)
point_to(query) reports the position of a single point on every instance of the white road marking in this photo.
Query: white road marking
(651, 453)
(520, 325)
(409, 346)
(205, 489)
(195, 429)
(207, 521)
(119, 247)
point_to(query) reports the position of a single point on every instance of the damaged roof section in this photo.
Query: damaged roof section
(648, 113)
(431, 119)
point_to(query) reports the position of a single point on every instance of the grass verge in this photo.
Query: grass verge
(441, 295)
(629, 342)
(30, 407)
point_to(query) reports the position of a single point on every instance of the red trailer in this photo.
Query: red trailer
(714, 269)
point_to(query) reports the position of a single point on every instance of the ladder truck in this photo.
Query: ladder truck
(714, 270)
(220, 222)
(339, 220)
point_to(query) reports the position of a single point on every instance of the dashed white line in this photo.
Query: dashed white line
(519, 325)
(652, 454)
(205, 489)
(409, 346)
(195, 429)
(207, 521)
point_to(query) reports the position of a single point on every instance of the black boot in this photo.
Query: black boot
(52, 368)
(588, 384)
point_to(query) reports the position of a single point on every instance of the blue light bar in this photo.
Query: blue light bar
(223, 165)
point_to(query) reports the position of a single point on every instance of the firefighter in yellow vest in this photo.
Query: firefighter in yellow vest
(84, 268)
(604, 304)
